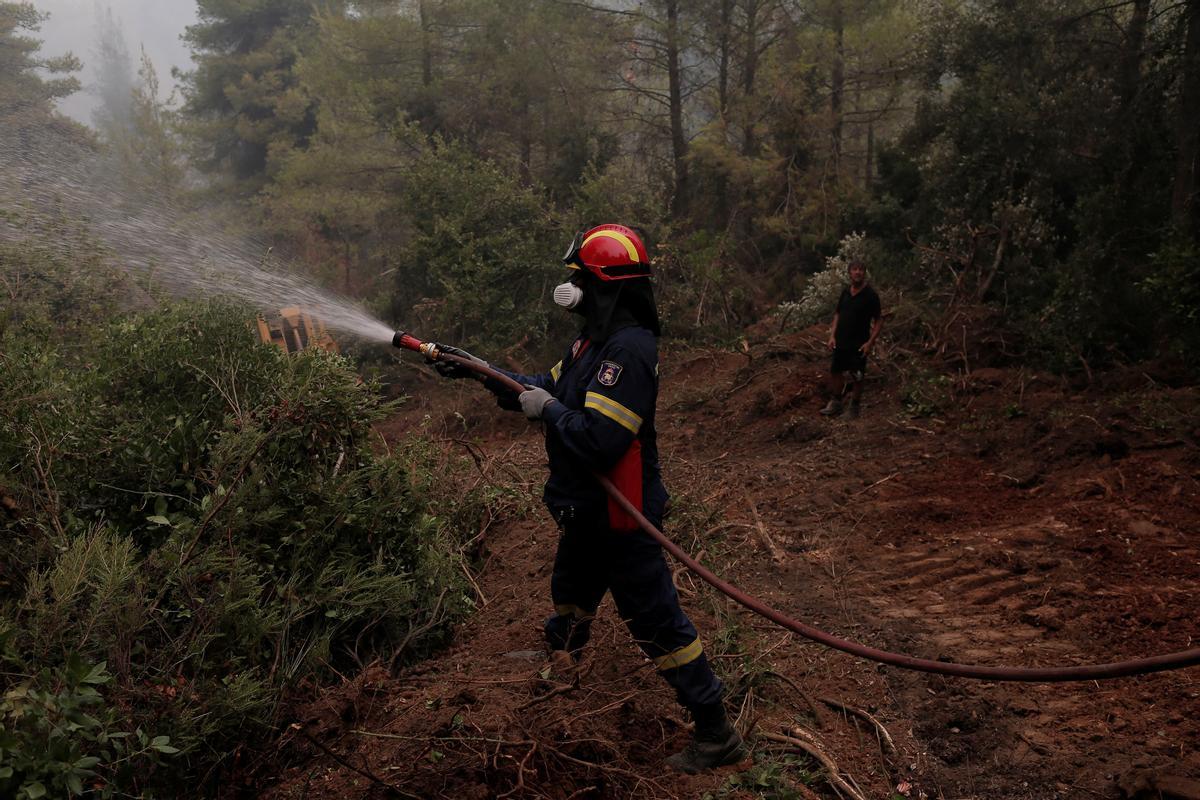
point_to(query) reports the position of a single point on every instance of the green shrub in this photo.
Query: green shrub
(482, 259)
(210, 518)
(1170, 286)
(926, 393)
(57, 735)
(821, 294)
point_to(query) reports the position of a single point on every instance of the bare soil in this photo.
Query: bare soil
(1023, 522)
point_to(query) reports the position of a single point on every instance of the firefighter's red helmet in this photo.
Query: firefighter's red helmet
(610, 252)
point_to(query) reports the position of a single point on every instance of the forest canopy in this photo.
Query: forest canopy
(1037, 158)
(1027, 166)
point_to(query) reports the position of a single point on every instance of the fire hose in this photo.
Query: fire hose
(1087, 672)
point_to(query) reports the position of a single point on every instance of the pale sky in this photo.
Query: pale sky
(153, 24)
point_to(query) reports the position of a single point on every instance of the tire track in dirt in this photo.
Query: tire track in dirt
(979, 611)
(1018, 591)
(942, 554)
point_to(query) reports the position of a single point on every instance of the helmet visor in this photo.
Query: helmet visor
(571, 257)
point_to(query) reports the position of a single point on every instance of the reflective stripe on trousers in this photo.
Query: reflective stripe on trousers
(592, 560)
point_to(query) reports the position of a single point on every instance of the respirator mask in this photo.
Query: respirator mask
(568, 295)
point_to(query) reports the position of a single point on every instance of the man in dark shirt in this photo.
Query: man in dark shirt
(856, 325)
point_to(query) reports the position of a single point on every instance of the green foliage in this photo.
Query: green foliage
(926, 393)
(243, 97)
(209, 516)
(616, 192)
(57, 735)
(702, 295)
(1033, 174)
(45, 293)
(26, 94)
(1173, 282)
(507, 81)
(1024, 147)
(824, 288)
(113, 68)
(148, 153)
(1157, 409)
(420, 112)
(468, 251)
(481, 257)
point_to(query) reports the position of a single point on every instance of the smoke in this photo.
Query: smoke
(153, 25)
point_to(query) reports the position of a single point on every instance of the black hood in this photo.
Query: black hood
(609, 306)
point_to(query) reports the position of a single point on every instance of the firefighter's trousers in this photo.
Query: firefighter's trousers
(592, 560)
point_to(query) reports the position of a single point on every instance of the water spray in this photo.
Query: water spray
(186, 252)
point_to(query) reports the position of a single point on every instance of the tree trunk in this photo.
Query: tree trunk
(869, 172)
(1129, 130)
(525, 142)
(1131, 53)
(838, 84)
(679, 200)
(1183, 198)
(426, 49)
(724, 42)
(749, 76)
(424, 107)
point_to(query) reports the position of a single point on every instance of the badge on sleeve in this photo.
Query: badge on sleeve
(609, 372)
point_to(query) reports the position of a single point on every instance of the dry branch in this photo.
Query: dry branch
(831, 768)
(387, 787)
(817, 712)
(776, 553)
(861, 714)
(558, 690)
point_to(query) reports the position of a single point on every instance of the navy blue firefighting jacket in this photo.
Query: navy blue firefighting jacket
(602, 423)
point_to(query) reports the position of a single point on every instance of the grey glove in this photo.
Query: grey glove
(534, 402)
(452, 369)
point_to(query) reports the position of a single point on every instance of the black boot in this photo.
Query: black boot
(715, 743)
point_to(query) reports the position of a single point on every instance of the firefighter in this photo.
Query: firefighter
(597, 405)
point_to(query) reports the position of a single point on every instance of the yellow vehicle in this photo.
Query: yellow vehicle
(292, 330)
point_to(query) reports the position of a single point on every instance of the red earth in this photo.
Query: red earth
(1019, 520)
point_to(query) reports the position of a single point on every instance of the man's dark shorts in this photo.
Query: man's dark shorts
(848, 360)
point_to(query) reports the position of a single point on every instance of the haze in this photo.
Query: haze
(155, 25)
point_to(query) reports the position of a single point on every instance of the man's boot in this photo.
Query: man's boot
(832, 408)
(715, 742)
(853, 410)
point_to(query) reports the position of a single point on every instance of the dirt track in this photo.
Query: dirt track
(1025, 525)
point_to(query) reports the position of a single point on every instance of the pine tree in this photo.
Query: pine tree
(243, 98)
(27, 98)
(114, 77)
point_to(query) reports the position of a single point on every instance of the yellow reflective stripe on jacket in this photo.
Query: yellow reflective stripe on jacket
(678, 658)
(574, 611)
(555, 371)
(613, 410)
